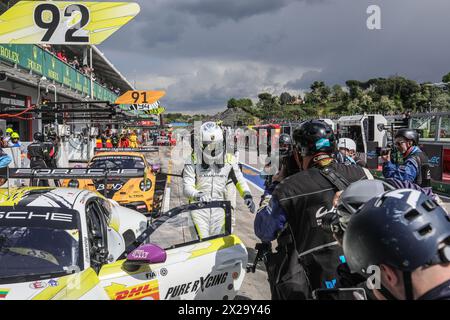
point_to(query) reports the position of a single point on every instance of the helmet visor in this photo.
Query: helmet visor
(213, 148)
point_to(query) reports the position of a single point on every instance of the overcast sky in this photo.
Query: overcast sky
(203, 52)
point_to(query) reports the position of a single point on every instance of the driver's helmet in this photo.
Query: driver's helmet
(211, 142)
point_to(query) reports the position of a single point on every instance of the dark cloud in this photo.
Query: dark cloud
(230, 9)
(206, 51)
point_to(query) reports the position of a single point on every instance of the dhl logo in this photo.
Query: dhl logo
(148, 290)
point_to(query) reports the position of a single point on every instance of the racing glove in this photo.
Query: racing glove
(248, 199)
(202, 197)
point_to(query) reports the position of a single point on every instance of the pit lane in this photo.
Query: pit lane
(255, 285)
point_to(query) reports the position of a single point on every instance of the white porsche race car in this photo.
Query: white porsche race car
(61, 243)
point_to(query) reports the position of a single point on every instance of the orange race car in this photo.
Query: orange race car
(135, 193)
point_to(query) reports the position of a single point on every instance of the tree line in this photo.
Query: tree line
(391, 95)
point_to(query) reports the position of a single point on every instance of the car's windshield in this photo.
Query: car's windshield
(37, 243)
(117, 162)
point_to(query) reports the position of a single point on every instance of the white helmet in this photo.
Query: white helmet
(347, 143)
(212, 144)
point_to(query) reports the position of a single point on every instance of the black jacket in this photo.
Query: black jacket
(441, 292)
(307, 256)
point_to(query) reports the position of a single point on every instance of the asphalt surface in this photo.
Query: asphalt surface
(255, 285)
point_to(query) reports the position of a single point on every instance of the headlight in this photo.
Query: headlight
(73, 184)
(145, 185)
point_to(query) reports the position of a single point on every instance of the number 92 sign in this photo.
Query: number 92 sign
(64, 22)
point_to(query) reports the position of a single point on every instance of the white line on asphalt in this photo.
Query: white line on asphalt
(257, 187)
(166, 200)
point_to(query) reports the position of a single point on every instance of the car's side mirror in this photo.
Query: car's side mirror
(144, 255)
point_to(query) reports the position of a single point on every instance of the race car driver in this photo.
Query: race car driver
(206, 179)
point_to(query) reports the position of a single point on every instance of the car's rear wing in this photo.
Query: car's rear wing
(141, 149)
(70, 173)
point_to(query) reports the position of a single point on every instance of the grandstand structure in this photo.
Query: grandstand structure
(35, 75)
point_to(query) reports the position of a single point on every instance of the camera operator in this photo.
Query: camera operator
(307, 256)
(287, 167)
(406, 234)
(415, 167)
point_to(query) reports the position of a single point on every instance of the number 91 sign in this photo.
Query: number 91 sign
(64, 22)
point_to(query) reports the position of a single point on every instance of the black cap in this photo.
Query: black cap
(404, 229)
(409, 134)
(314, 136)
(38, 136)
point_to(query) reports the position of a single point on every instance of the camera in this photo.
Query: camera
(383, 151)
(329, 221)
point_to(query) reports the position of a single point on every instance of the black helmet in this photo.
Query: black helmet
(38, 136)
(404, 229)
(314, 136)
(285, 139)
(285, 144)
(409, 134)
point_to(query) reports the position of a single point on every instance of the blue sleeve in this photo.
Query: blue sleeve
(269, 221)
(405, 172)
(5, 160)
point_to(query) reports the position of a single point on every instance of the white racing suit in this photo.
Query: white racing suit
(212, 180)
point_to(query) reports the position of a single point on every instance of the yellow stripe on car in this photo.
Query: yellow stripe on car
(216, 245)
(202, 248)
(70, 287)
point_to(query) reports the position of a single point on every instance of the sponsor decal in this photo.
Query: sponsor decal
(24, 215)
(194, 286)
(154, 274)
(77, 172)
(330, 284)
(139, 254)
(434, 161)
(86, 249)
(147, 291)
(38, 285)
(3, 293)
(53, 283)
